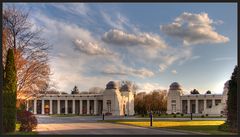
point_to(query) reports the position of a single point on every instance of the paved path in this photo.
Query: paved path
(89, 125)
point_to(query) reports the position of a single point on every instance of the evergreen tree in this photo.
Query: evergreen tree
(9, 93)
(75, 90)
(232, 102)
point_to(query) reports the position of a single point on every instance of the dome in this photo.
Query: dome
(125, 87)
(175, 86)
(111, 85)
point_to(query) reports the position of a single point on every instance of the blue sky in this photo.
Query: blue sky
(151, 44)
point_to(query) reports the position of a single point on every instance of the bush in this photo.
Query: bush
(182, 114)
(27, 121)
(174, 115)
(202, 116)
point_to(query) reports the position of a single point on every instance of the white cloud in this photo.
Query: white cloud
(148, 87)
(76, 8)
(120, 69)
(194, 29)
(162, 67)
(174, 72)
(91, 48)
(120, 37)
(118, 21)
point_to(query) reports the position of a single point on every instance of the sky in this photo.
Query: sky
(151, 44)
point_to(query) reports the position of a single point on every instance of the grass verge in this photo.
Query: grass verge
(207, 127)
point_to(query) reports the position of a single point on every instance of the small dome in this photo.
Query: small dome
(125, 87)
(111, 85)
(175, 86)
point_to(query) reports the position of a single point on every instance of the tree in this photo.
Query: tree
(208, 92)
(155, 101)
(232, 101)
(194, 91)
(133, 87)
(9, 93)
(30, 52)
(75, 90)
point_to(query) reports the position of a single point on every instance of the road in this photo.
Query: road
(87, 125)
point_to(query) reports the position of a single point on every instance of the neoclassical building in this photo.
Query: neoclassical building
(113, 101)
(211, 104)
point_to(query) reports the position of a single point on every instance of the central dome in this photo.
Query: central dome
(175, 86)
(112, 85)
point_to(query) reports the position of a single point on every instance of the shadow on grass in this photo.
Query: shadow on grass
(210, 129)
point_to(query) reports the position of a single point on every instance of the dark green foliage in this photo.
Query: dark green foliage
(194, 91)
(75, 90)
(208, 92)
(232, 102)
(9, 94)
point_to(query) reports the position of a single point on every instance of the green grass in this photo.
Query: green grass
(202, 126)
(17, 132)
(177, 116)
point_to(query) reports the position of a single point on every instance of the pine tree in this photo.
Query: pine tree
(232, 102)
(9, 94)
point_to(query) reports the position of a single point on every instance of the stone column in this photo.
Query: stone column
(188, 106)
(43, 112)
(213, 102)
(204, 105)
(50, 106)
(27, 103)
(58, 106)
(88, 107)
(73, 106)
(35, 106)
(95, 107)
(80, 104)
(196, 107)
(66, 106)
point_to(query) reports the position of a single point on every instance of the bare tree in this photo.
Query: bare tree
(30, 52)
(133, 87)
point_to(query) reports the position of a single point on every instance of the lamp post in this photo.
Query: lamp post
(151, 118)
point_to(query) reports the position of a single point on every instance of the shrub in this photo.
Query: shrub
(202, 116)
(182, 114)
(174, 115)
(27, 121)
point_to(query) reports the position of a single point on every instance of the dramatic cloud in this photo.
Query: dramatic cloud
(194, 29)
(91, 48)
(123, 70)
(148, 87)
(76, 9)
(119, 37)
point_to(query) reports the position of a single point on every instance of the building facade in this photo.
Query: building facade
(113, 101)
(198, 104)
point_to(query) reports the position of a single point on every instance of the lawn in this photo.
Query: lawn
(177, 116)
(17, 132)
(209, 127)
